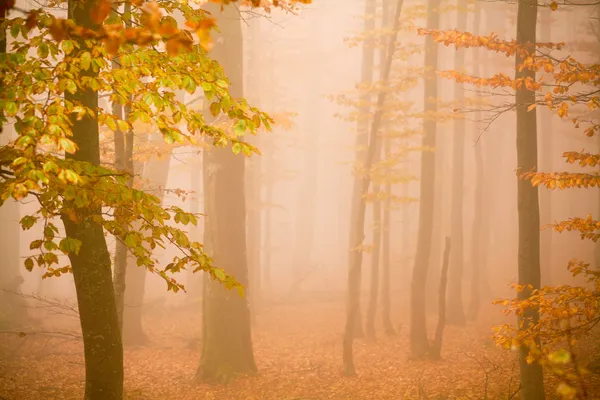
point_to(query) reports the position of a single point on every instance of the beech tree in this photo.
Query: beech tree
(419, 344)
(226, 325)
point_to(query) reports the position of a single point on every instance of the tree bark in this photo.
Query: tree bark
(357, 222)
(419, 344)
(477, 256)
(362, 139)
(436, 346)
(545, 136)
(456, 313)
(226, 340)
(103, 348)
(378, 221)
(532, 383)
(155, 172)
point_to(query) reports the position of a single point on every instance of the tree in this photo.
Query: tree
(357, 223)
(419, 344)
(532, 379)
(456, 314)
(226, 325)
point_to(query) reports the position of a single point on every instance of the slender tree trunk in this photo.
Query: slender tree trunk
(357, 222)
(456, 313)
(226, 340)
(436, 346)
(375, 255)
(476, 235)
(155, 173)
(123, 162)
(103, 348)
(378, 229)
(545, 136)
(362, 140)
(419, 344)
(532, 383)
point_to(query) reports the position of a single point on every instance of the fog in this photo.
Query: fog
(306, 69)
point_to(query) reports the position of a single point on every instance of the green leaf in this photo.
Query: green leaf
(10, 109)
(29, 263)
(85, 60)
(240, 128)
(220, 274)
(236, 148)
(67, 46)
(71, 86)
(561, 356)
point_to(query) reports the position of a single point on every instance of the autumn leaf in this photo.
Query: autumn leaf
(101, 11)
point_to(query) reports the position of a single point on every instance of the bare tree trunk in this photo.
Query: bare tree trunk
(226, 340)
(378, 229)
(477, 256)
(123, 162)
(155, 173)
(103, 348)
(456, 313)
(357, 222)
(436, 346)
(545, 136)
(532, 379)
(362, 140)
(419, 344)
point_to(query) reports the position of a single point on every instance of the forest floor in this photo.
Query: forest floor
(298, 352)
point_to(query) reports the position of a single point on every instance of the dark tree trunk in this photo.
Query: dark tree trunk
(226, 339)
(357, 222)
(532, 383)
(545, 136)
(456, 313)
(419, 344)
(103, 348)
(436, 346)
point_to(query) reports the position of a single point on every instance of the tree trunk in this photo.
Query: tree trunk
(545, 136)
(155, 173)
(362, 139)
(103, 348)
(357, 222)
(226, 340)
(477, 257)
(419, 344)
(456, 313)
(436, 346)
(375, 253)
(532, 383)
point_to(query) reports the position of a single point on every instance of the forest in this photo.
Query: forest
(299, 199)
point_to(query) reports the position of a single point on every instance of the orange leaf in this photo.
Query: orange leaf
(101, 11)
